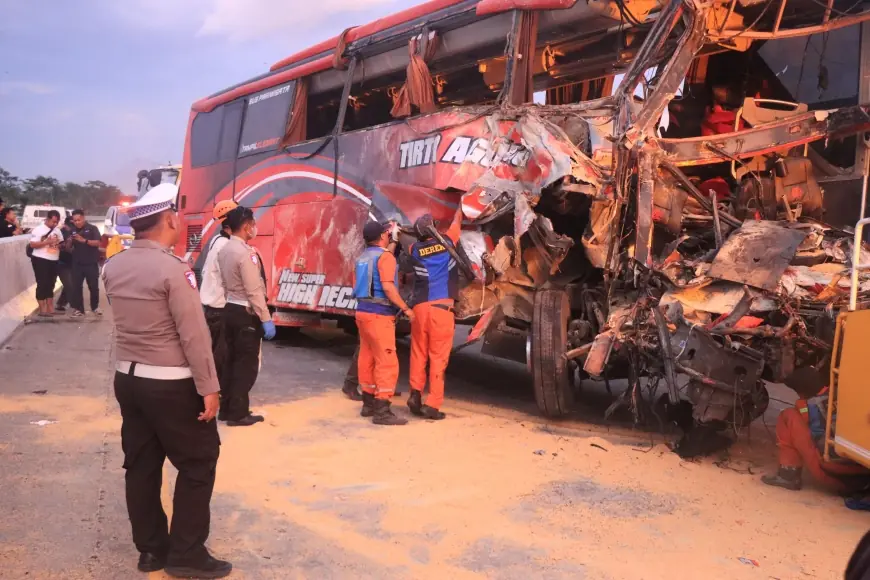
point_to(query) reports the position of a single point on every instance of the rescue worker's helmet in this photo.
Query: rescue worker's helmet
(423, 226)
(222, 208)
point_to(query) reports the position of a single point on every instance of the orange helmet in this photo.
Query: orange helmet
(222, 208)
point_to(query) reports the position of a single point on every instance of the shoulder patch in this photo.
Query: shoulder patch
(191, 279)
(254, 259)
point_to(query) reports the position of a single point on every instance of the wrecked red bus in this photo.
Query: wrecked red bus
(651, 191)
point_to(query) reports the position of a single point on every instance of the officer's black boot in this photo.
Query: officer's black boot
(150, 562)
(368, 406)
(415, 402)
(431, 413)
(211, 568)
(384, 416)
(351, 391)
(786, 477)
(246, 421)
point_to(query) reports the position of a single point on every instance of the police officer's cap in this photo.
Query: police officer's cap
(372, 231)
(155, 200)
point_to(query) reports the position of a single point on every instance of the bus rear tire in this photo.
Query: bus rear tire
(551, 375)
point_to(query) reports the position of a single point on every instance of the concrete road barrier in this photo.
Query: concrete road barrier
(17, 285)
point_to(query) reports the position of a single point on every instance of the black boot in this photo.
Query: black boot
(150, 562)
(351, 391)
(786, 478)
(431, 413)
(384, 416)
(211, 568)
(368, 406)
(415, 402)
(246, 421)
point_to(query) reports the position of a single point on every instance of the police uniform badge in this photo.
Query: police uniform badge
(191, 279)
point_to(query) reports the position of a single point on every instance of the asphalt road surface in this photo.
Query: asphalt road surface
(317, 492)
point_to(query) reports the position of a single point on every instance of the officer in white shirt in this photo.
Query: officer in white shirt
(212, 293)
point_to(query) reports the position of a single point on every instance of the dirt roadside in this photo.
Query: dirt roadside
(317, 492)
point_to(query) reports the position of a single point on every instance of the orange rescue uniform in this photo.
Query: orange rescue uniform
(378, 364)
(798, 449)
(432, 340)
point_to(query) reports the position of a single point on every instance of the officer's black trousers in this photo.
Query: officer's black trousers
(352, 377)
(243, 335)
(214, 317)
(160, 421)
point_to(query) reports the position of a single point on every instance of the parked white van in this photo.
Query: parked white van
(34, 215)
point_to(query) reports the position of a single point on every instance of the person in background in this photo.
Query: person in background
(800, 438)
(64, 265)
(9, 223)
(85, 264)
(45, 241)
(247, 319)
(212, 293)
(436, 286)
(378, 303)
(167, 389)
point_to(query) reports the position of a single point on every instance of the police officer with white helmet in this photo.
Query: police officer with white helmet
(167, 388)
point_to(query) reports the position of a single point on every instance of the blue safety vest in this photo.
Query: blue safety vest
(368, 289)
(436, 276)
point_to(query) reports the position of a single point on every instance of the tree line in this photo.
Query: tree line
(92, 196)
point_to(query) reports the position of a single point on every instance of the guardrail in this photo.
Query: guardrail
(17, 297)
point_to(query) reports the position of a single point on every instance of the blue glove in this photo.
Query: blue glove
(269, 330)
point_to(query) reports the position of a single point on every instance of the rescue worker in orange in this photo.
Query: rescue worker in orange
(800, 434)
(378, 304)
(436, 286)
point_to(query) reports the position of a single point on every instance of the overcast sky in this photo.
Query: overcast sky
(98, 89)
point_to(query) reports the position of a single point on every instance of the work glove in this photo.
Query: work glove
(269, 330)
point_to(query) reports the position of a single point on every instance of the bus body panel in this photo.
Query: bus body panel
(398, 171)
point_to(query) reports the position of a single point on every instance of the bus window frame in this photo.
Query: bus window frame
(204, 116)
(244, 119)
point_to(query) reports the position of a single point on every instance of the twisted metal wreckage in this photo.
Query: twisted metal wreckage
(705, 288)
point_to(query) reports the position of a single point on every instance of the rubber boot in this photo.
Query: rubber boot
(786, 478)
(431, 413)
(384, 416)
(368, 406)
(415, 402)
